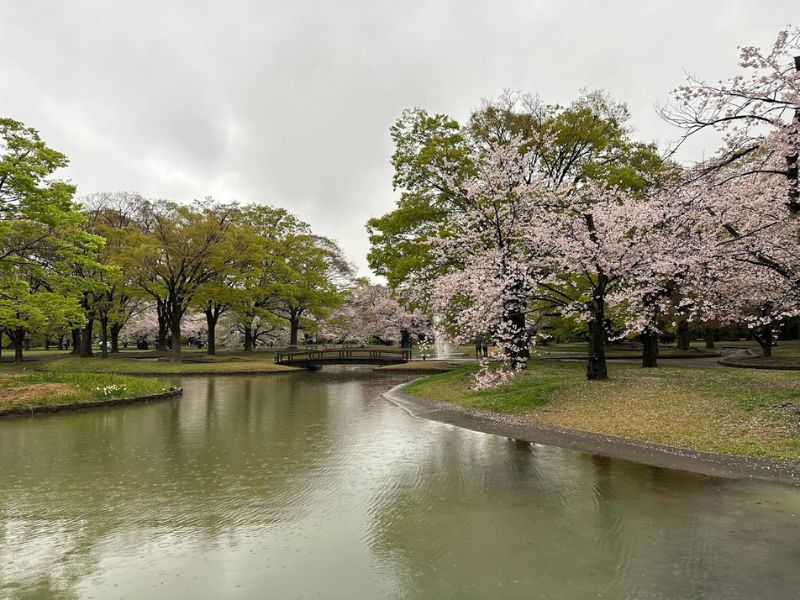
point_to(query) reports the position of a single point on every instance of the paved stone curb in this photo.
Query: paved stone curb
(738, 365)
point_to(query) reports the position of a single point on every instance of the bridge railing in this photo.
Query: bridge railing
(343, 354)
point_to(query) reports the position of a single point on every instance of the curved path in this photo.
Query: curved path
(710, 362)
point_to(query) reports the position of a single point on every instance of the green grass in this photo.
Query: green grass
(523, 394)
(728, 411)
(8, 353)
(24, 388)
(419, 366)
(234, 363)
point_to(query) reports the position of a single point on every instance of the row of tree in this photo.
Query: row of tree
(531, 213)
(90, 269)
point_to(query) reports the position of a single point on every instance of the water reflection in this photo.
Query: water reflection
(313, 486)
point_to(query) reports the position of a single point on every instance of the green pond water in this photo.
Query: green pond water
(313, 486)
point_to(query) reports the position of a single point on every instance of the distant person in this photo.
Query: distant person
(485, 348)
(478, 348)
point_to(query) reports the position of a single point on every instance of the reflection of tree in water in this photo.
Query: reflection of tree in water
(471, 518)
(433, 510)
(234, 452)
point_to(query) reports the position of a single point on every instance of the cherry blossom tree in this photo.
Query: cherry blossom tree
(595, 244)
(757, 113)
(487, 276)
(747, 193)
(141, 327)
(529, 246)
(371, 311)
(748, 268)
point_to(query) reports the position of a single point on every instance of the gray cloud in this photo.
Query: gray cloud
(290, 103)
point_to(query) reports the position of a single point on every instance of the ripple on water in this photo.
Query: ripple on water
(312, 485)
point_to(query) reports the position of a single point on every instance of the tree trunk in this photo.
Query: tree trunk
(405, 338)
(103, 337)
(792, 160)
(175, 330)
(211, 324)
(161, 342)
(115, 329)
(596, 367)
(520, 353)
(765, 339)
(61, 342)
(682, 338)
(17, 339)
(76, 342)
(294, 328)
(709, 335)
(248, 339)
(649, 350)
(86, 339)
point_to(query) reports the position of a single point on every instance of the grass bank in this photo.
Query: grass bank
(727, 411)
(27, 389)
(216, 365)
(421, 367)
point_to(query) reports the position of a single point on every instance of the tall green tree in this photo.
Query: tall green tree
(266, 231)
(316, 275)
(42, 242)
(120, 218)
(183, 250)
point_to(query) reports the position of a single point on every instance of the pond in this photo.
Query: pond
(312, 485)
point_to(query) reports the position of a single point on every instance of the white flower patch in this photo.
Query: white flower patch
(110, 391)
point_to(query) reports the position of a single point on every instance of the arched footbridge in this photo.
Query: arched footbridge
(313, 359)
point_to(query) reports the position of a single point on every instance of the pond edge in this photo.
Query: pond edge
(54, 408)
(648, 453)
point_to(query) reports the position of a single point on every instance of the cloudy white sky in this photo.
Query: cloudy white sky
(290, 103)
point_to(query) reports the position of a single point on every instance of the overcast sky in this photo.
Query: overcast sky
(290, 103)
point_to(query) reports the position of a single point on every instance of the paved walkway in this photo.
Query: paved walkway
(677, 363)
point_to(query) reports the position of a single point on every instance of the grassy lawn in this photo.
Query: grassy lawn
(728, 411)
(198, 364)
(24, 388)
(419, 366)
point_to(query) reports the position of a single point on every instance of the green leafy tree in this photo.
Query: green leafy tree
(236, 274)
(28, 305)
(37, 213)
(120, 218)
(265, 231)
(587, 140)
(313, 283)
(183, 250)
(42, 244)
